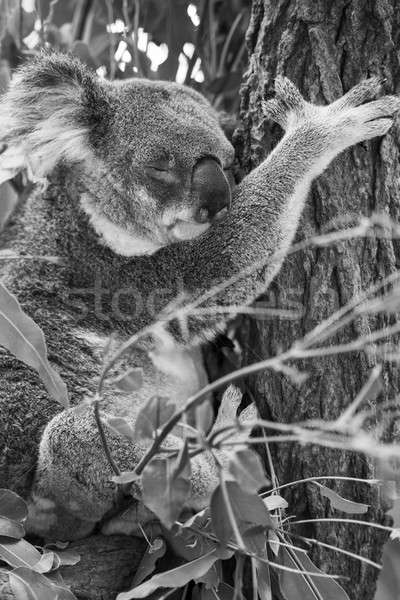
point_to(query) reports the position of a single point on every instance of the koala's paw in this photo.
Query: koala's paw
(351, 119)
(357, 117)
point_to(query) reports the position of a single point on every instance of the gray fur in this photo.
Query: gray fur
(118, 130)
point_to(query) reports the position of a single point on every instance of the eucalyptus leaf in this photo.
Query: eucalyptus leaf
(153, 415)
(340, 503)
(12, 529)
(149, 560)
(40, 587)
(296, 585)
(247, 469)
(175, 578)
(18, 553)
(12, 506)
(166, 486)
(130, 381)
(248, 511)
(120, 426)
(23, 337)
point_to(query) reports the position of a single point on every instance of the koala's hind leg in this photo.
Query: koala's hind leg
(73, 487)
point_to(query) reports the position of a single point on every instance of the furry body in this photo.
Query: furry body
(110, 179)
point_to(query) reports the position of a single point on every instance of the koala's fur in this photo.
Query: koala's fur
(111, 222)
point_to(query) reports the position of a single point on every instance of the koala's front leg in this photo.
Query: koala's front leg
(246, 249)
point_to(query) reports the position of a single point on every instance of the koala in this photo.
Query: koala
(139, 206)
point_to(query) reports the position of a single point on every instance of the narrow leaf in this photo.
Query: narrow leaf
(12, 506)
(295, 586)
(130, 381)
(18, 553)
(23, 337)
(46, 562)
(249, 511)
(12, 529)
(175, 578)
(342, 504)
(166, 486)
(120, 426)
(40, 587)
(275, 501)
(246, 467)
(153, 415)
(149, 559)
(125, 477)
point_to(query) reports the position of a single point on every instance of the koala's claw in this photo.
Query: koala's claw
(288, 93)
(366, 90)
(288, 107)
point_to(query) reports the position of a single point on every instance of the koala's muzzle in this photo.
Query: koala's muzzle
(211, 188)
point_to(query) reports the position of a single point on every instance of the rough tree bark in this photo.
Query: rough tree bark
(325, 48)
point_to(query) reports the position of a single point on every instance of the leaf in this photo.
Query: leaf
(149, 559)
(23, 337)
(295, 586)
(125, 477)
(119, 426)
(175, 578)
(40, 587)
(246, 467)
(18, 553)
(46, 562)
(130, 381)
(342, 504)
(65, 556)
(389, 578)
(275, 501)
(12, 529)
(248, 509)
(153, 415)
(395, 534)
(188, 543)
(224, 592)
(263, 580)
(166, 486)
(12, 506)
(273, 542)
(203, 416)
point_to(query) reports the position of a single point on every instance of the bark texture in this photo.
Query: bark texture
(325, 48)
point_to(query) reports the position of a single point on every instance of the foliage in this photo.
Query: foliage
(199, 42)
(28, 563)
(244, 521)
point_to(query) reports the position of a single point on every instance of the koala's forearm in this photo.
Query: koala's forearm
(249, 246)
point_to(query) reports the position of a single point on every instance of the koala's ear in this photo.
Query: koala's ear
(54, 106)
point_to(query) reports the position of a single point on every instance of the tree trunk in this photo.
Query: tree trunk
(325, 48)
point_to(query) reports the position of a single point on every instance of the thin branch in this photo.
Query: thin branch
(340, 551)
(322, 478)
(100, 427)
(353, 521)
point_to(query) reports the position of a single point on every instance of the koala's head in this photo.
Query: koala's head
(149, 156)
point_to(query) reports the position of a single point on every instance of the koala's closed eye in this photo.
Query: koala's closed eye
(161, 168)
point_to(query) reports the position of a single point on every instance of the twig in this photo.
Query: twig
(110, 19)
(353, 521)
(100, 427)
(322, 478)
(340, 550)
(227, 43)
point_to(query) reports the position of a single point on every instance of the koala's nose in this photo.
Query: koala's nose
(212, 190)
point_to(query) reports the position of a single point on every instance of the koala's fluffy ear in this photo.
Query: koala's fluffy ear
(53, 106)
